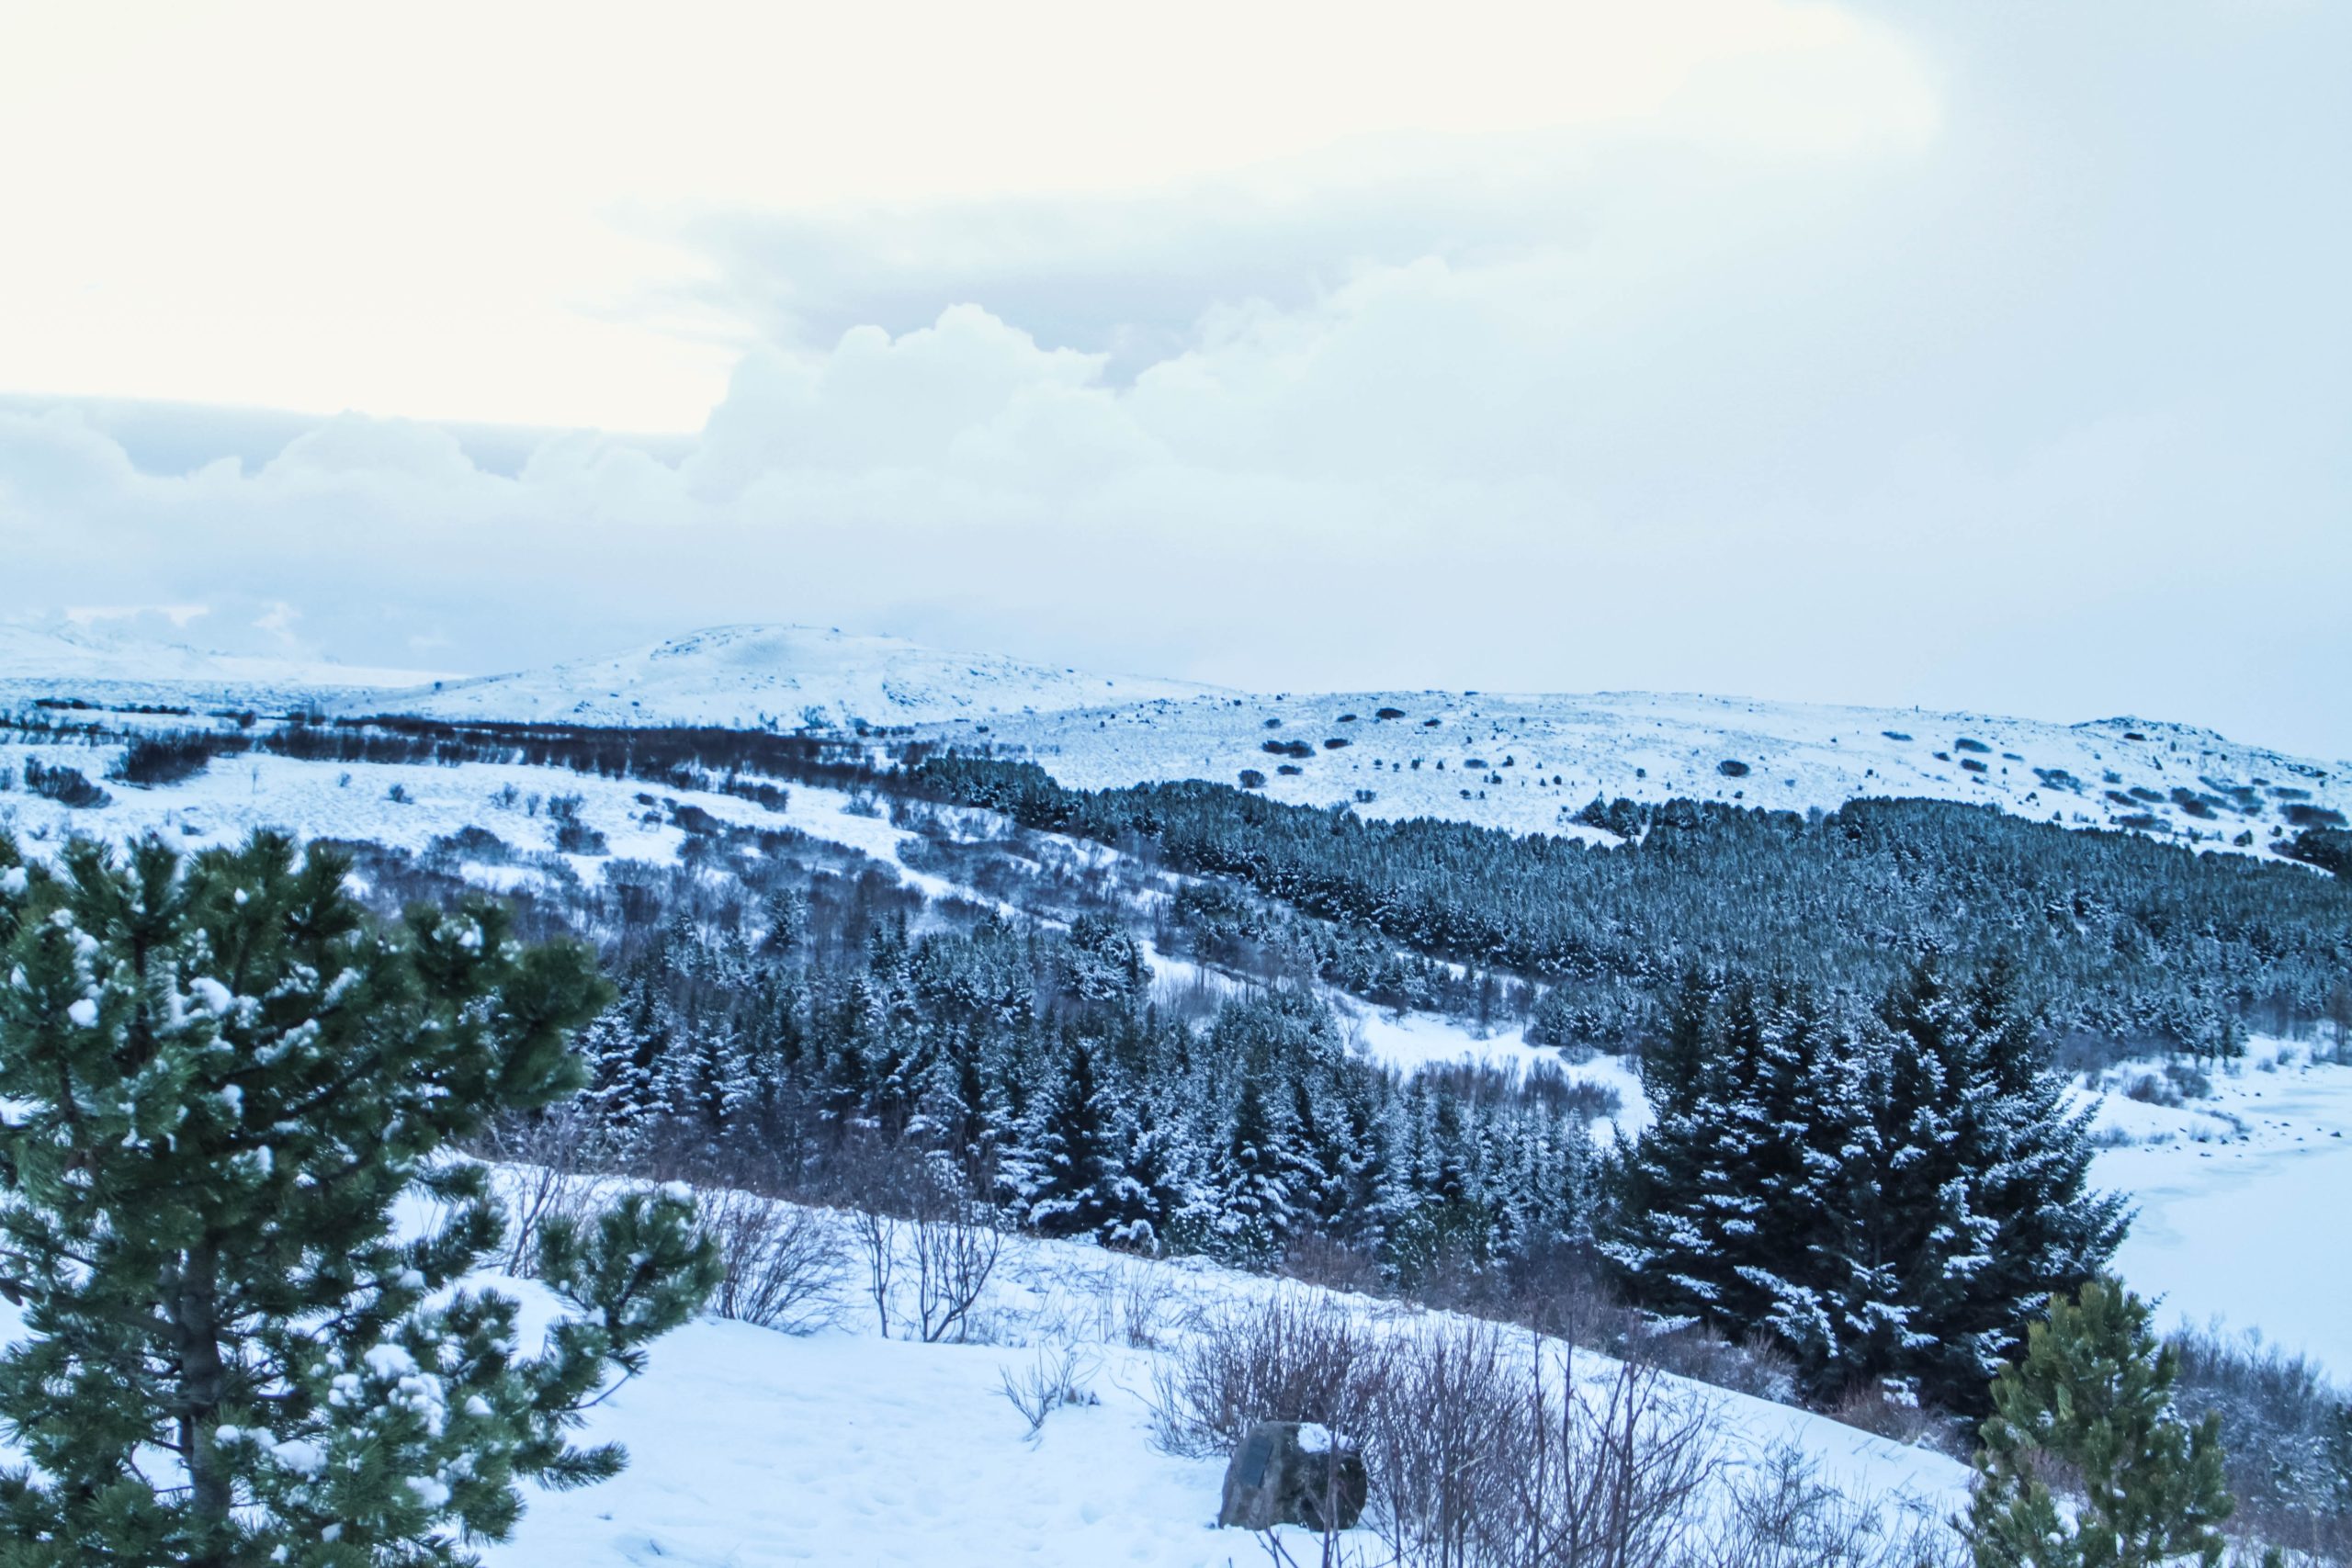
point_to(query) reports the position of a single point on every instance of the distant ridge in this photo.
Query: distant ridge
(781, 676)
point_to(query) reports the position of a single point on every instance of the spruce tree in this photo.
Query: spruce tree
(222, 1079)
(1081, 1185)
(1252, 1183)
(2092, 1396)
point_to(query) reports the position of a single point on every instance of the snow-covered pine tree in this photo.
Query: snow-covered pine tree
(1977, 1205)
(1164, 1167)
(1081, 1185)
(628, 1047)
(1252, 1183)
(222, 1079)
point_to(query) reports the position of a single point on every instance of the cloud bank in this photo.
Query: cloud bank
(2019, 398)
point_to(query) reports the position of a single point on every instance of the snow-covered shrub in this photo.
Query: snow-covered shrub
(2286, 1437)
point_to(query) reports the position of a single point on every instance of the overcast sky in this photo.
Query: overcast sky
(1992, 355)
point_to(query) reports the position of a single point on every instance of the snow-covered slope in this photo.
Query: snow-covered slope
(1521, 762)
(1530, 763)
(751, 1447)
(68, 662)
(782, 677)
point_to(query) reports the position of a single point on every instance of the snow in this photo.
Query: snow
(1411, 1041)
(2242, 1208)
(778, 677)
(1095, 730)
(750, 1448)
(83, 661)
(1654, 747)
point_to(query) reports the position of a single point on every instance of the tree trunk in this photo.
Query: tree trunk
(203, 1386)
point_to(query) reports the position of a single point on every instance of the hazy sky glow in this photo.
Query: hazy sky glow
(1993, 356)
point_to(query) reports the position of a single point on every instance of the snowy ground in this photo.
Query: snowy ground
(774, 677)
(752, 1447)
(2242, 1205)
(1530, 763)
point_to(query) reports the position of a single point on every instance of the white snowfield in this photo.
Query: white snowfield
(750, 1448)
(1530, 763)
(1525, 764)
(89, 664)
(2242, 1200)
(774, 677)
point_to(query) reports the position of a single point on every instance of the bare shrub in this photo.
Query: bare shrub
(1318, 1259)
(552, 1156)
(1291, 1356)
(956, 1241)
(1778, 1513)
(1055, 1377)
(1446, 1437)
(1144, 1295)
(785, 1263)
(914, 1221)
(1753, 1366)
(877, 1236)
(1895, 1414)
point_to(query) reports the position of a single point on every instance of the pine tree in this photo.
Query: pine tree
(1081, 1185)
(2093, 1393)
(222, 1079)
(1252, 1183)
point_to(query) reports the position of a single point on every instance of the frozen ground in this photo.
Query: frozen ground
(2242, 1203)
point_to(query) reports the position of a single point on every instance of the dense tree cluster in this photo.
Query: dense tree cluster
(1033, 1060)
(2113, 935)
(1887, 1195)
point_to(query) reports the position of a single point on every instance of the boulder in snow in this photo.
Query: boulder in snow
(1291, 1473)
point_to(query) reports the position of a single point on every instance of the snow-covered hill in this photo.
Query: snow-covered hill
(778, 677)
(88, 663)
(1531, 763)
(1521, 762)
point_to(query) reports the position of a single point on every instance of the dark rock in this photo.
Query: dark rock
(1291, 1473)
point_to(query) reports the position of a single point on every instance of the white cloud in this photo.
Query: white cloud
(1786, 354)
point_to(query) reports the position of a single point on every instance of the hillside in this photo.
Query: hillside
(1521, 762)
(1531, 763)
(68, 662)
(777, 677)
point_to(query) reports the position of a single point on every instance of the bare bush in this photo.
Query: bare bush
(956, 1241)
(1055, 1377)
(785, 1263)
(914, 1221)
(553, 1156)
(1894, 1412)
(1144, 1295)
(1291, 1356)
(1778, 1513)
(1446, 1439)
